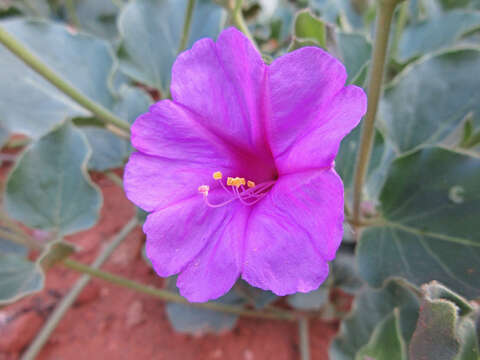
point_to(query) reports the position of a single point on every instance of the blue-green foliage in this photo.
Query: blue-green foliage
(422, 192)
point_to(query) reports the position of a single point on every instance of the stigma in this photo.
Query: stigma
(237, 188)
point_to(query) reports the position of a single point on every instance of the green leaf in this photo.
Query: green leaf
(445, 328)
(141, 215)
(151, 31)
(145, 257)
(452, 4)
(32, 106)
(55, 252)
(444, 332)
(192, 320)
(4, 135)
(307, 26)
(436, 33)
(281, 20)
(332, 10)
(131, 103)
(256, 297)
(296, 44)
(18, 276)
(466, 136)
(98, 17)
(49, 187)
(386, 342)
(108, 150)
(467, 131)
(344, 274)
(468, 336)
(9, 247)
(355, 51)
(313, 300)
(430, 229)
(393, 308)
(436, 291)
(430, 98)
(435, 337)
(39, 8)
(347, 155)
(382, 156)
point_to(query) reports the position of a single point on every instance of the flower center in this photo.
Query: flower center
(236, 190)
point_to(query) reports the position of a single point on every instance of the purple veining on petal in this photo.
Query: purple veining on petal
(273, 212)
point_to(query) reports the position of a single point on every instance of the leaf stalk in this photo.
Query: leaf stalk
(74, 292)
(186, 26)
(385, 10)
(239, 21)
(31, 60)
(166, 295)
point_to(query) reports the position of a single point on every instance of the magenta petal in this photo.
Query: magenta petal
(318, 147)
(214, 271)
(172, 131)
(176, 234)
(153, 183)
(279, 126)
(293, 232)
(306, 96)
(223, 82)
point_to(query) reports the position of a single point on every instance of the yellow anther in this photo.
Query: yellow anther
(237, 181)
(250, 184)
(217, 175)
(203, 189)
(230, 181)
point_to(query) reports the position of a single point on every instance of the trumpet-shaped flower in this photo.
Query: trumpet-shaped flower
(237, 170)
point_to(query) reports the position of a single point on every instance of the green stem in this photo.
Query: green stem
(36, 64)
(17, 143)
(303, 333)
(274, 313)
(384, 21)
(32, 8)
(185, 34)
(72, 13)
(186, 26)
(239, 21)
(401, 22)
(19, 239)
(171, 297)
(117, 180)
(118, 3)
(72, 295)
(16, 233)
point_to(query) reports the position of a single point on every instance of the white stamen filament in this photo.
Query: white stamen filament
(248, 197)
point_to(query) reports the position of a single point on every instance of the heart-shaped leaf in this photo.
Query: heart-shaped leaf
(18, 275)
(430, 98)
(151, 31)
(436, 33)
(49, 187)
(188, 319)
(430, 229)
(31, 105)
(382, 322)
(442, 332)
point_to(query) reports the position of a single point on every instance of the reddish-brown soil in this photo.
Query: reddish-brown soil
(110, 322)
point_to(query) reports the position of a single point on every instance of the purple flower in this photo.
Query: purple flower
(237, 169)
